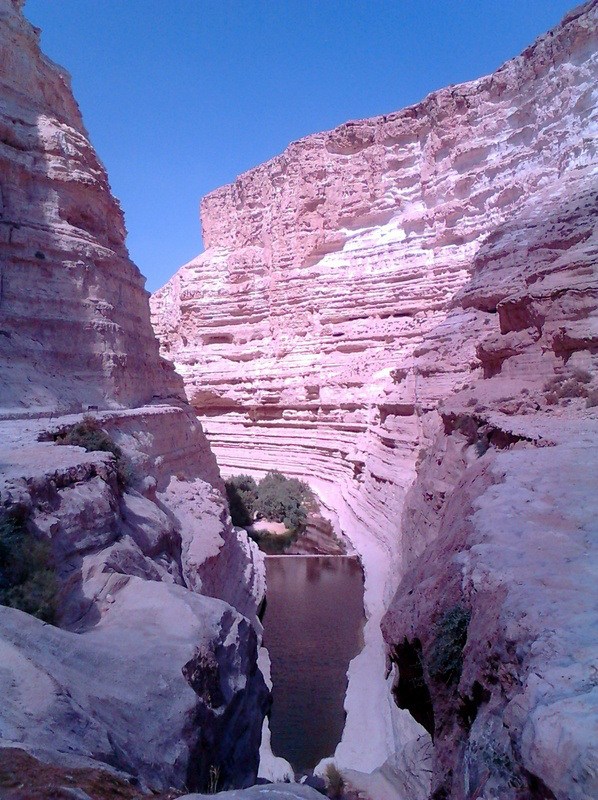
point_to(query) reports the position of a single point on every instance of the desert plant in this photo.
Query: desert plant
(27, 575)
(335, 781)
(450, 635)
(241, 491)
(90, 435)
(283, 499)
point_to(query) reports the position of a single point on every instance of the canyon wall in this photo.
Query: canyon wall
(378, 307)
(74, 326)
(326, 268)
(150, 670)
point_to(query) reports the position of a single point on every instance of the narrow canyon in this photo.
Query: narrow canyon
(401, 312)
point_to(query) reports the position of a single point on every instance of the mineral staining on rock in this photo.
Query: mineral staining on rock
(392, 310)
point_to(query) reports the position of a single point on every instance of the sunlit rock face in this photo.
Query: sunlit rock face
(499, 528)
(152, 669)
(74, 326)
(376, 309)
(326, 268)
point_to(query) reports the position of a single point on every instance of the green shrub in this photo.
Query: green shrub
(90, 435)
(241, 491)
(276, 498)
(27, 575)
(283, 499)
(446, 657)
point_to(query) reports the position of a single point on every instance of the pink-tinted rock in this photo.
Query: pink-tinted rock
(300, 331)
(376, 308)
(74, 320)
(148, 572)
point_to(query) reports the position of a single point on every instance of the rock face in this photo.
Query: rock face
(74, 326)
(403, 312)
(494, 624)
(153, 673)
(327, 267)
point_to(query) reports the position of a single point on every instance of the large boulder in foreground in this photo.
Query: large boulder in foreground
(148, 676)
(162, 689)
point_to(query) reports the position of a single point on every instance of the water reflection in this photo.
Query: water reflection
(312, 628)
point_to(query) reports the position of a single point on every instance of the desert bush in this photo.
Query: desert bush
(27, 575)
(275, 498)
(335, 781)
(283, 499)
(450, 635)
(570, 386)
(90, 435)
(241, 491)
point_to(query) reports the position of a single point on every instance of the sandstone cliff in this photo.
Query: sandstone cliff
(74, 326)
(375, 308)
(153, 672)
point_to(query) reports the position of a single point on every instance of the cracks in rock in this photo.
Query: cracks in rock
(411, 691)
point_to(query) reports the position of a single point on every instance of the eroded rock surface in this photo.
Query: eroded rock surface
(154, 582)
(74, 326)
(327, 268)
(118, 685)
(378, 307)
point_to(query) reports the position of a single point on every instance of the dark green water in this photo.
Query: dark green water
(312, 629)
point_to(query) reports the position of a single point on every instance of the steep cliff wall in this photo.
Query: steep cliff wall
(152, 672)
(377, 307)
(74, 326)
(326, 268)
(494, 624)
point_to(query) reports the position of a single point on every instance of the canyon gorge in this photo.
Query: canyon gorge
(402, 312)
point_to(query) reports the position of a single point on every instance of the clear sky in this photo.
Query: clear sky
(181, 96)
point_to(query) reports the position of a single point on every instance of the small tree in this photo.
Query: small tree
(283, 499)
(241, 491)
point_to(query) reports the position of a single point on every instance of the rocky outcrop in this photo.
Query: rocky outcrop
(493, 627)
(74, 326)
(376, 308)
(153, 672)
(147, 675)
(327, 267)
(97, 784)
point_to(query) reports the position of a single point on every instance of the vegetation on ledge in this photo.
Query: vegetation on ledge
(275, 498)
(446, 659)
(27, 574)
(90, 435)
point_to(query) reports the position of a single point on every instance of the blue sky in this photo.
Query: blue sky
(181, 96)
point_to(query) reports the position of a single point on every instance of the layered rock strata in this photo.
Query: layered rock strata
(153, 670)
(326, 268)
(494, 624)
(74, 327)
(354, 284)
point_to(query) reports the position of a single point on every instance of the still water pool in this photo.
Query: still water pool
(312, 629)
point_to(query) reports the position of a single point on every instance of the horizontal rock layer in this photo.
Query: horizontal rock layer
(326, 269)
(374, 294)
(153, 672)
(74, 317)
